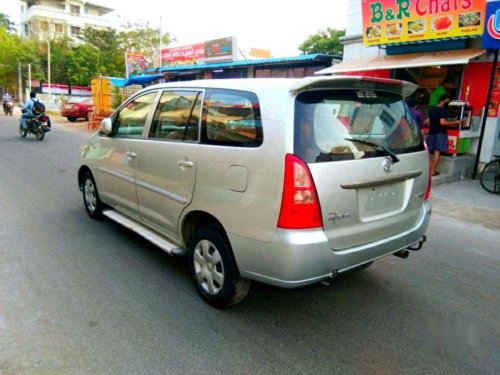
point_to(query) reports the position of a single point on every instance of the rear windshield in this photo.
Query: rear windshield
(327, 123)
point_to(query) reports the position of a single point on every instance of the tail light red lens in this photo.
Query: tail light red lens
(44, 118)
(300, 207)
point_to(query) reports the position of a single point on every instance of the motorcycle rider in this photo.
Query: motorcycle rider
(28, 110)
(6, 98)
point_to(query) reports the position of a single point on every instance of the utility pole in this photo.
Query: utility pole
(48, 71)
(20, 84)
(161, 43)
(29, 77)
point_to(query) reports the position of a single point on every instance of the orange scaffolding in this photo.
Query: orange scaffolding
(102, 97)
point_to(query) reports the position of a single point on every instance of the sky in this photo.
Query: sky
(279, 26)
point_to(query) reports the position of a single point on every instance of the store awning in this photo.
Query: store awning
(411, 60)
(134, 80)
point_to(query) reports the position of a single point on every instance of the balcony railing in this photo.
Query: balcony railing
(61, 14)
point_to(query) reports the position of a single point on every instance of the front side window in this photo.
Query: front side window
(353, 124)
(231, 118)
(131, 119)
(177, 116)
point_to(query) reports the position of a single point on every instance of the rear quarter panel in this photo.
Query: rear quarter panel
(252, 213)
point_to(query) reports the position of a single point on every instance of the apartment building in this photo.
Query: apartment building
(61, 17)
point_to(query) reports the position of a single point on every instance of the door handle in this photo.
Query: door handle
(131, 155)
(185, 163)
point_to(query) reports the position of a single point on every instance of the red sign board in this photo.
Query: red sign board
(135, 62)
(185, 55)
(55, 89)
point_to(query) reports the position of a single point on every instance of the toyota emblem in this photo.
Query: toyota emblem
(388, 165)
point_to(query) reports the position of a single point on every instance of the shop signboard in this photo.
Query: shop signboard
(219, 50)
(55, 89)
(135, 62)
(398, 21)
(184, 55)
(81, 91)
(491, 36)
(495, 94)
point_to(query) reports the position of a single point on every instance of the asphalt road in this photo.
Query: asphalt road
(79, 296)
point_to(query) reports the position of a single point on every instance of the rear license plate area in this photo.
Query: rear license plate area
(379, 201)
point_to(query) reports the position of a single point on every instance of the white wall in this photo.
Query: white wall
(353, 46)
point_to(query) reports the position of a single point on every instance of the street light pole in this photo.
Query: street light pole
(48, 74)
(48, 65)
(29, 77)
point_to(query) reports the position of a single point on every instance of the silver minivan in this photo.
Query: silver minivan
(284, 181)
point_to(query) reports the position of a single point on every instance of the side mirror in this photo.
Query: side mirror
(106, 126)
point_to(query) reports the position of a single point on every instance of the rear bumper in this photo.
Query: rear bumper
(296, 258)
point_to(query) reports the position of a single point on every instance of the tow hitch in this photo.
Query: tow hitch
(417, 245)
(330, 280)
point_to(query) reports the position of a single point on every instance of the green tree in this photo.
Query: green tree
(140, 37)
(6, 23)
(100, 53)
(327, 42)
(60, 55)
(13, 51)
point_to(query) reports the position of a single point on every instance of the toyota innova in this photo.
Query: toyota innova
(283, 181)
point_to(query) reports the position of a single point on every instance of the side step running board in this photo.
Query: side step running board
(148, 234)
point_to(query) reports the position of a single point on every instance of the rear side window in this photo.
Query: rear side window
(131, 119)
(177, 116)
(231, 118)
(328, 123)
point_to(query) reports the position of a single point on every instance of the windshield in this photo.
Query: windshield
(325, 121)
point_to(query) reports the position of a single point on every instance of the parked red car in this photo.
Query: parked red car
(77, 108)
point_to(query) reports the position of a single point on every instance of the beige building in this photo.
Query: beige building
(61, 17)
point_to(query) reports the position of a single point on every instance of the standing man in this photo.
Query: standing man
(446, 88)
(437, 139)
(422, 123)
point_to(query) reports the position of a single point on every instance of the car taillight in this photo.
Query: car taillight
(300, 207)
(429, 177)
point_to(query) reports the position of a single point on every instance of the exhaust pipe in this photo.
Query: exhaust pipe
(402, 254)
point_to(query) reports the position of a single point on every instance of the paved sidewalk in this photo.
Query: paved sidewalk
(467, 201)
(78, 125)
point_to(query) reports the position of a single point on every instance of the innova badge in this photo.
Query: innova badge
(388, 165)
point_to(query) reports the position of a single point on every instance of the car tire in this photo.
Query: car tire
(91, 200)
(214, 270)
(71, 119)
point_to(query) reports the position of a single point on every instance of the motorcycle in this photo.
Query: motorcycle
(8, 108)
(37, 125)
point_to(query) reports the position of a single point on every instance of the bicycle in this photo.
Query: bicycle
(490, 176)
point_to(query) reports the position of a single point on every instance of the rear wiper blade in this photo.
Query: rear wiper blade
(377, 147)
